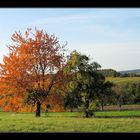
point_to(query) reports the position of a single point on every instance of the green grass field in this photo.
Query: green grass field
(70, 122)
(122, 80)
(132, 113)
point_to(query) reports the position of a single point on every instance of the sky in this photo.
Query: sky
(109, 36)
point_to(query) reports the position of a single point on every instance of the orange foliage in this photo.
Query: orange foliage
(29, 63)
(56, 102)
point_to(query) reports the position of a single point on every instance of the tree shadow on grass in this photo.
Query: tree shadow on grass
(83, 116)
(116, 116)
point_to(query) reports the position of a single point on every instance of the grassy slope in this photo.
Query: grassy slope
(121, 80)
(67, 122)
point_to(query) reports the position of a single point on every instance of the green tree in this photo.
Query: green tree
(134, 92)
(95, 65)
(72, 100)
(109, 72)
(121, 95)
(105, 93)
(137, 99)
(86, 80)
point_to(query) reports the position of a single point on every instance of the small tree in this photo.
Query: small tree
(121, 95)
(47, 108)
(137, 99)
(86, 79)
(105, 93)
(134, 92)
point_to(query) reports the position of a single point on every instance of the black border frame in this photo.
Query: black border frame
(76, 136)
(69, 4)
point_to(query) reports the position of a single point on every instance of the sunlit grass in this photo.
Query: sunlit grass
(132, 113)
(68, 122)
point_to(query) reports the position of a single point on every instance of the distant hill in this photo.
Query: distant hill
(125, 73)
(109, 72)
(137, 71)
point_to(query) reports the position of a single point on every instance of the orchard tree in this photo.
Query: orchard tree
(133, 90)
(95, 65)
(121, 95)
(86, 81)
(35, 64)
(137, 97)
(105, 94)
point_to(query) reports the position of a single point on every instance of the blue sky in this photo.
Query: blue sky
(109, 36)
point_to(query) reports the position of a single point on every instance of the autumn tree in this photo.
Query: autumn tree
(13, 81)
(34, 64)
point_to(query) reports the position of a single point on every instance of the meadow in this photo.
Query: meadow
(127, 120)
(123, 80)
(106, 121)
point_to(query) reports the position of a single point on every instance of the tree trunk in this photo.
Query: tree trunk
(38, 108)
(102, 105)
(87, 113)
(87, 108)
(71, 110)
(120, 107)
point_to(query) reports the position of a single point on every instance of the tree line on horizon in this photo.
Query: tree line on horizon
(114, 73)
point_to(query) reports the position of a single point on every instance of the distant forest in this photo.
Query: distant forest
(114, 73)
